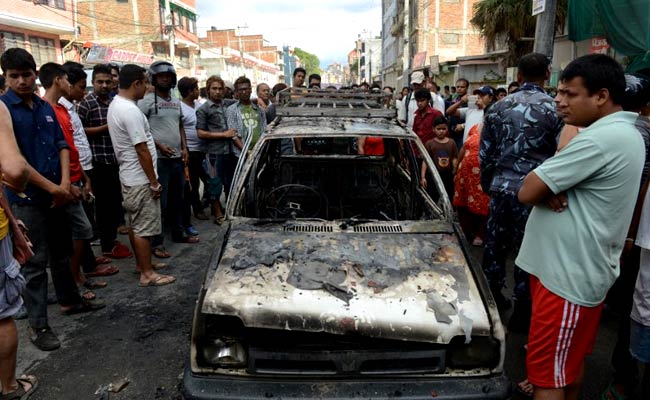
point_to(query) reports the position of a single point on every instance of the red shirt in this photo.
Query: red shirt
(63, 117)
(374, 146)
(423, 124)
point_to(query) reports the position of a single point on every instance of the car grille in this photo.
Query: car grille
(378, 228)
(345, 362)
(308, 228)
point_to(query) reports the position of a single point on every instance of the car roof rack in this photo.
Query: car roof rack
(298, 102)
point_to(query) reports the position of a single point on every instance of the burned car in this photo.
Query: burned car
(339, 275)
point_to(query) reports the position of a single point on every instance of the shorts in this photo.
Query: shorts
(640, 341)
(142, 210)
(561, 335)
(12, 282)
(78, 220)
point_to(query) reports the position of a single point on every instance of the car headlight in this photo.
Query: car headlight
(225, 352)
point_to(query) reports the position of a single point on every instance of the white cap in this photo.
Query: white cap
(417, 77)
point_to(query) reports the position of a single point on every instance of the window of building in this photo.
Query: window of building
(180, 19)
(42, 49)
(160, 50)
(11, 39)
(192, 25)
(122, 1)
(450, 38)
(60, 4)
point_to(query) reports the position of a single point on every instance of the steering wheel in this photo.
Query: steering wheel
(278, 202)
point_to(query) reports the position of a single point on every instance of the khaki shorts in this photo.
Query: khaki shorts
(142, 210)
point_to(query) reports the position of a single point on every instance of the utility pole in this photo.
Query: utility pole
(241, 48)
(545, 29)
(170, 27)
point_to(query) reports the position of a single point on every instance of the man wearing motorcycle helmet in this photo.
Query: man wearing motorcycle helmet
(163, 111)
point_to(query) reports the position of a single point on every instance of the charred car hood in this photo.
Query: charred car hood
(413, 285)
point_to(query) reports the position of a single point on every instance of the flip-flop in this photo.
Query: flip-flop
(93, 284)
(102, 260)
(88, 295)
(104, 270)
(522, 391)
(161, 252)
(188, 240)
(160, 280)
(84, 306)
(156, 267)
(21, 393)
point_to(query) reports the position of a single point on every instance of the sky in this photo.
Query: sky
(327, 28)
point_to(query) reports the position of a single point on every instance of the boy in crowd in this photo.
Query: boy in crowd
(444, 154)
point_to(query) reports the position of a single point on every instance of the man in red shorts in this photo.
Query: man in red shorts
(576, 231)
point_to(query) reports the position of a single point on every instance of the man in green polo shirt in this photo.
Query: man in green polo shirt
(583, 201)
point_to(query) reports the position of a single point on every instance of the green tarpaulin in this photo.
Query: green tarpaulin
(625, 24)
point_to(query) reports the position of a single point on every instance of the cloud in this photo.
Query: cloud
(325, 28)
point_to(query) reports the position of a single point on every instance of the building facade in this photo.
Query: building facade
(419, 33)
(371, 59)
(138, 31)
(442, 28)
(231, 55)
(37, 26)
(393, 39)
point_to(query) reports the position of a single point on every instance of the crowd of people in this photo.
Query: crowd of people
(547, 178)
(554, 181)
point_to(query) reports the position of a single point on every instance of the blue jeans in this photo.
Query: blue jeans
(226, 165)
(505, 231)
(52, 241)
(171, 175)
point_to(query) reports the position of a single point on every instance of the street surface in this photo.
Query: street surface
(143, 336)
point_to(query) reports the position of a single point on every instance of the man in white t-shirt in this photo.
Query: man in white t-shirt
(473, 114)
(136, 155)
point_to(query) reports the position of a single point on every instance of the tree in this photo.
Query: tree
(510, 21)
(309, 61)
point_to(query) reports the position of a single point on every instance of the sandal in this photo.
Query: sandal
(102, 260)
(20, 393)
(88, 295)
(219, 220)
(160, 280)
(155, 266)
(93, 284)
(188, 240)
(84, 306)
(611, 393)
(161, 252)
(104, 270)
(525, 389)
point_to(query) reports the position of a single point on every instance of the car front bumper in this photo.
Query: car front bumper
(213, 387)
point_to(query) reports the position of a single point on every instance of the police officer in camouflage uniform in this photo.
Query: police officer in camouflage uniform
(519, 133)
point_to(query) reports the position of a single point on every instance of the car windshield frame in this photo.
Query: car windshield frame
(247, 161)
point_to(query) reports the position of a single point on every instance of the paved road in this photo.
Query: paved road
(143, 336)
